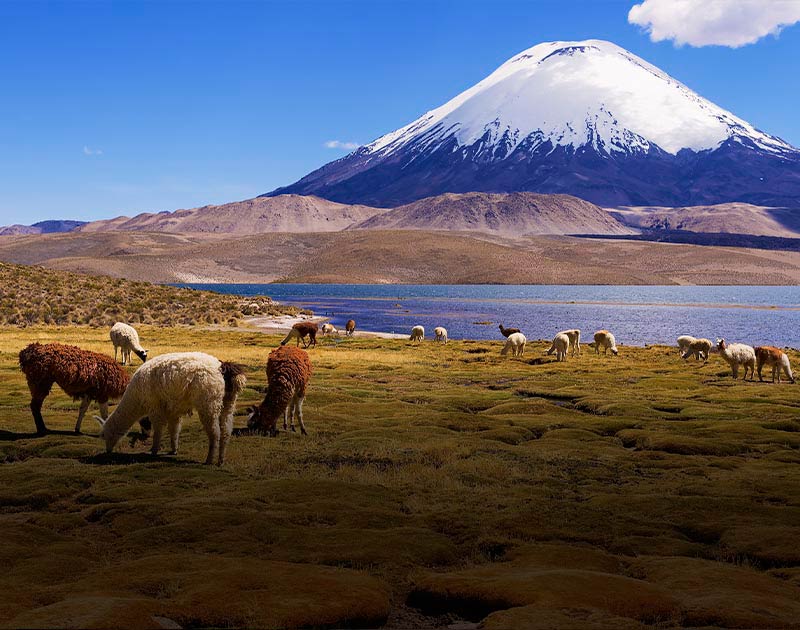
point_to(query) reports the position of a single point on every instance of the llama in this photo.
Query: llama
(737, 354)
(776, 359)
(440, 332)
(560, 346)
(606, 340)
(699, 348)
(417, 333)
(169, 387)
(126, 338)
(516, 343)
(574, 336)
(84, 375)
(350, 327)
(329, 329)
(301, 330)
(507, 331)
(288, 373)
(684, 341)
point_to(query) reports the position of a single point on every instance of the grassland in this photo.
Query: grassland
(437, 484)
(35, 295)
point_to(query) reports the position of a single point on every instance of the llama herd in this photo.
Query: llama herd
(170, 386)
(739, 355)
(163, 390)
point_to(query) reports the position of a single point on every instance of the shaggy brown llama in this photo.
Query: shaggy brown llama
(288, 373)
(84, 375)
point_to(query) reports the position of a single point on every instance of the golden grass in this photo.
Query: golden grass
(35, 295)
(436, 484)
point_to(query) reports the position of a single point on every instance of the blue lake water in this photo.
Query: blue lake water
(635, 314)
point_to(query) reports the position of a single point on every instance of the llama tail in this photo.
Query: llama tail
(235, 381)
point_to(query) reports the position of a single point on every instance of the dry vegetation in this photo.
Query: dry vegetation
(436, 484)
(34, 295)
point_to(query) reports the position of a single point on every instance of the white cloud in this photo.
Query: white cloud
(338, 144)
(732, 23)
(89, 151)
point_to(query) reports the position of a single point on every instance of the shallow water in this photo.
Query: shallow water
(637, 315)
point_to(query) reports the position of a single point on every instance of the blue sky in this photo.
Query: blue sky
(112, 108)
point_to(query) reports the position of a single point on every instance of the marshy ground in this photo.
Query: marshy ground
(437, 485)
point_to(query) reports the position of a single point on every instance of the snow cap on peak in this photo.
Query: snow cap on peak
(577, 93)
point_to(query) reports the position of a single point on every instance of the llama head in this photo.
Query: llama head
(721, 344)
(145, 425)
(142, 354)
(258, 422)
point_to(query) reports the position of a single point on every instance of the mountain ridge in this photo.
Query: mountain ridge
(505, 214)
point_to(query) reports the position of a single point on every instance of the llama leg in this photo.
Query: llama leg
(82, 412)
(115, 353)
(174, 426)
(299, 408)
(39, 391)
(226, 429)
(292, 408)
(211, 425)
(158, 426)
(286, 413)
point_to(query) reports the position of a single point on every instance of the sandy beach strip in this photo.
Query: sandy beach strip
(283, 324)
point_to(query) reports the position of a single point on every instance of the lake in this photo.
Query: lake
(637, 315)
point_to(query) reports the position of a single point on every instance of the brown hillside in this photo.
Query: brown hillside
(377, 256)
(512, 214)
(285, 213)
(731, 218)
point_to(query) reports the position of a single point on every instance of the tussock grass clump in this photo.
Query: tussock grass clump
(35, 295)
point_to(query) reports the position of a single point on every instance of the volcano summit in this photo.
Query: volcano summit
(584, 118)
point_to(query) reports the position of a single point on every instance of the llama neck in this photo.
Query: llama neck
(130, 409)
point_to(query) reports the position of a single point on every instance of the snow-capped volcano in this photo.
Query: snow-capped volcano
(587, 118)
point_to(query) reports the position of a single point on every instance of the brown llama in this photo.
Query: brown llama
(508, 331)
(288, 373)
(350, 327)
(774, 358)
(301, 330)
(84, 375)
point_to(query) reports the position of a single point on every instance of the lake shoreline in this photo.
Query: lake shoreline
(638, 316)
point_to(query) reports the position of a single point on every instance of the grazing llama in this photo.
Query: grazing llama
(288, 373)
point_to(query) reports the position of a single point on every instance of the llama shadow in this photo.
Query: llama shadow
(121, 459)
(541, 361)
(10, 436)
(245, 432)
